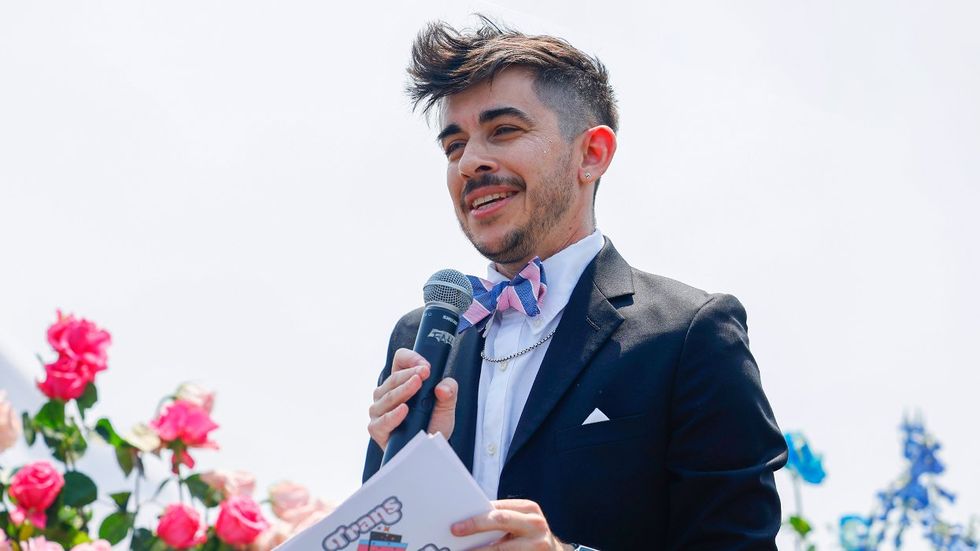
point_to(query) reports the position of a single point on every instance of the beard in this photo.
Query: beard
(549, 203)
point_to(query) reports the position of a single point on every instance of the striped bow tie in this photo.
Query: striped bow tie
(523, 293)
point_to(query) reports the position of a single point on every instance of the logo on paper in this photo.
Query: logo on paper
(382, 541)
(372, 531)
(388, 513)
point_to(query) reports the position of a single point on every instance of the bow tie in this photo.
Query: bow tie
(523, 293)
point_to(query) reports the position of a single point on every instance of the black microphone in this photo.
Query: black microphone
(447, 294)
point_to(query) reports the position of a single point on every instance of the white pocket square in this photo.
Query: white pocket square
(595, 417)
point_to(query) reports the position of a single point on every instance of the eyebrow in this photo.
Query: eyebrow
(485, 117)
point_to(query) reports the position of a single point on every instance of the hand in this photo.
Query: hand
(523, 521)
(408, 370)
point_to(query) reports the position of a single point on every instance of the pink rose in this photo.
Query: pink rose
(10, 425)
(80, 341)
(64, 379)
(97, 545)
(4, 543)
(291, 503)
(311, 514)
(40, 544)
(180, 527)
(287, 497)
(197, 395)
(240, 521)
(230, 483)
(272, 537)
(187, 425)
(34, 488)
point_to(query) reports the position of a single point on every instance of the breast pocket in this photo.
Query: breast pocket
(603, 432)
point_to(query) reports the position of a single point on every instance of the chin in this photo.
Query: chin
(510, 247)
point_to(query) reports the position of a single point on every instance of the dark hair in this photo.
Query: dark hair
(446, 61)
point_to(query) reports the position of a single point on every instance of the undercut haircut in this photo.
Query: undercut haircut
(446, 61)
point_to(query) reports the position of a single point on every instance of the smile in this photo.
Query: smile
(487, 200)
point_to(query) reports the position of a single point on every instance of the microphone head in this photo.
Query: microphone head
(450, 288)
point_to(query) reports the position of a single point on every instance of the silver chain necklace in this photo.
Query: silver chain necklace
(519, 353)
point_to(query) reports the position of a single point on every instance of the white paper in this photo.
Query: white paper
(408, 505)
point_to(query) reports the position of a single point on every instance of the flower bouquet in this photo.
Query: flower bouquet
(51, 506)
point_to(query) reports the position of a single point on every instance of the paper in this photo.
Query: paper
(408, 505)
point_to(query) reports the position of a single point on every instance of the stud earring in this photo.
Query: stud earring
(588, 175)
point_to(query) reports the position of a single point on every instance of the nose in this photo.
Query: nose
(476, 160)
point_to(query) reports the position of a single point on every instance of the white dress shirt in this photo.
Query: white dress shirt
(504, 387)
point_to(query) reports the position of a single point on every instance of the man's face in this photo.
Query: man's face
(511, 173)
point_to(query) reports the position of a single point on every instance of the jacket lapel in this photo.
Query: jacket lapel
(465, 364)
(586, 323)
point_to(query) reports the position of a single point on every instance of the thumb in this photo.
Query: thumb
(444, 412)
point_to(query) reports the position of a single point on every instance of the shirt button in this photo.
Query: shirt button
(503, 365)
(491, 448)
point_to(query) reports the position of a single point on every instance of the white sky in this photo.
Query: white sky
(240, 193)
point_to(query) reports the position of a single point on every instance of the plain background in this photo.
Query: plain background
(241, 194)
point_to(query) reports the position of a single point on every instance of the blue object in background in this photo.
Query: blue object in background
(802, 460)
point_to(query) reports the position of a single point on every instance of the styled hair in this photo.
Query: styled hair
(446, 61)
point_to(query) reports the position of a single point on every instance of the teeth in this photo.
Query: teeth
(486, 199)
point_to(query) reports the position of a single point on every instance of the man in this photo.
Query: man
(624, 411)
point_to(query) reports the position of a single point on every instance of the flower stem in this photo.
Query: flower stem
(798, 499)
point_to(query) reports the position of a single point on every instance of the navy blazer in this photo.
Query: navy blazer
(686, 459)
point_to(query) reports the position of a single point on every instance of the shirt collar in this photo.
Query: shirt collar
(562, 271)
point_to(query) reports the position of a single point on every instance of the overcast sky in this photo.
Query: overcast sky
(240, 193)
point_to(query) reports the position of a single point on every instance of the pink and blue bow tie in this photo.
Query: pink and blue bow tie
(523, 293)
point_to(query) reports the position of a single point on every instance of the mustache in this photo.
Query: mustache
(488, 180)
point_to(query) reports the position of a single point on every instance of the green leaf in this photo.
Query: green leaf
(212, 543)
(109, 434)
(116, 526)
(161, 487)
(800, 524)
(121, 499)
(79, 538)
(125, 456)
(76, 440)
(811, 547)
(79, 490)
(143, 540)
(51, 415)
(67, 514)
(200, 489)
(30, 435)
(87, 399)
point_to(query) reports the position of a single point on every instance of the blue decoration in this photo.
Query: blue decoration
(855, 532)
(915, 497)
(802, 461)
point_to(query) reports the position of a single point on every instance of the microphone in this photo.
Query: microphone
(447, 294)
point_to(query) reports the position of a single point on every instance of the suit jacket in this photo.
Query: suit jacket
(686, 459)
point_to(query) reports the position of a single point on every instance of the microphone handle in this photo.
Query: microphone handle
(435, 338)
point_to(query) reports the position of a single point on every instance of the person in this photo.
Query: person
(598, 405)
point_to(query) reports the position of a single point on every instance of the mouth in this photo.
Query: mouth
(487, 202)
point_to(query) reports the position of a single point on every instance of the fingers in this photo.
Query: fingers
(520, 520)
(401, 365)
(405, 358)
(444, 412)
(408, 370)
(410, 382)
(380, 427)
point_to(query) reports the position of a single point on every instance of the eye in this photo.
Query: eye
(501, 130)
(454, 147)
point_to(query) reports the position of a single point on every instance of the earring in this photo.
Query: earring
(588, 175)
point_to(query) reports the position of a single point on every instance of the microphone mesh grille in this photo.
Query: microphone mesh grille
(450, 287)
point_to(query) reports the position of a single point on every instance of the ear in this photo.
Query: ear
(598, 148)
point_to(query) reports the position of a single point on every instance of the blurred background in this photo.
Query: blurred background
(241, 194)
